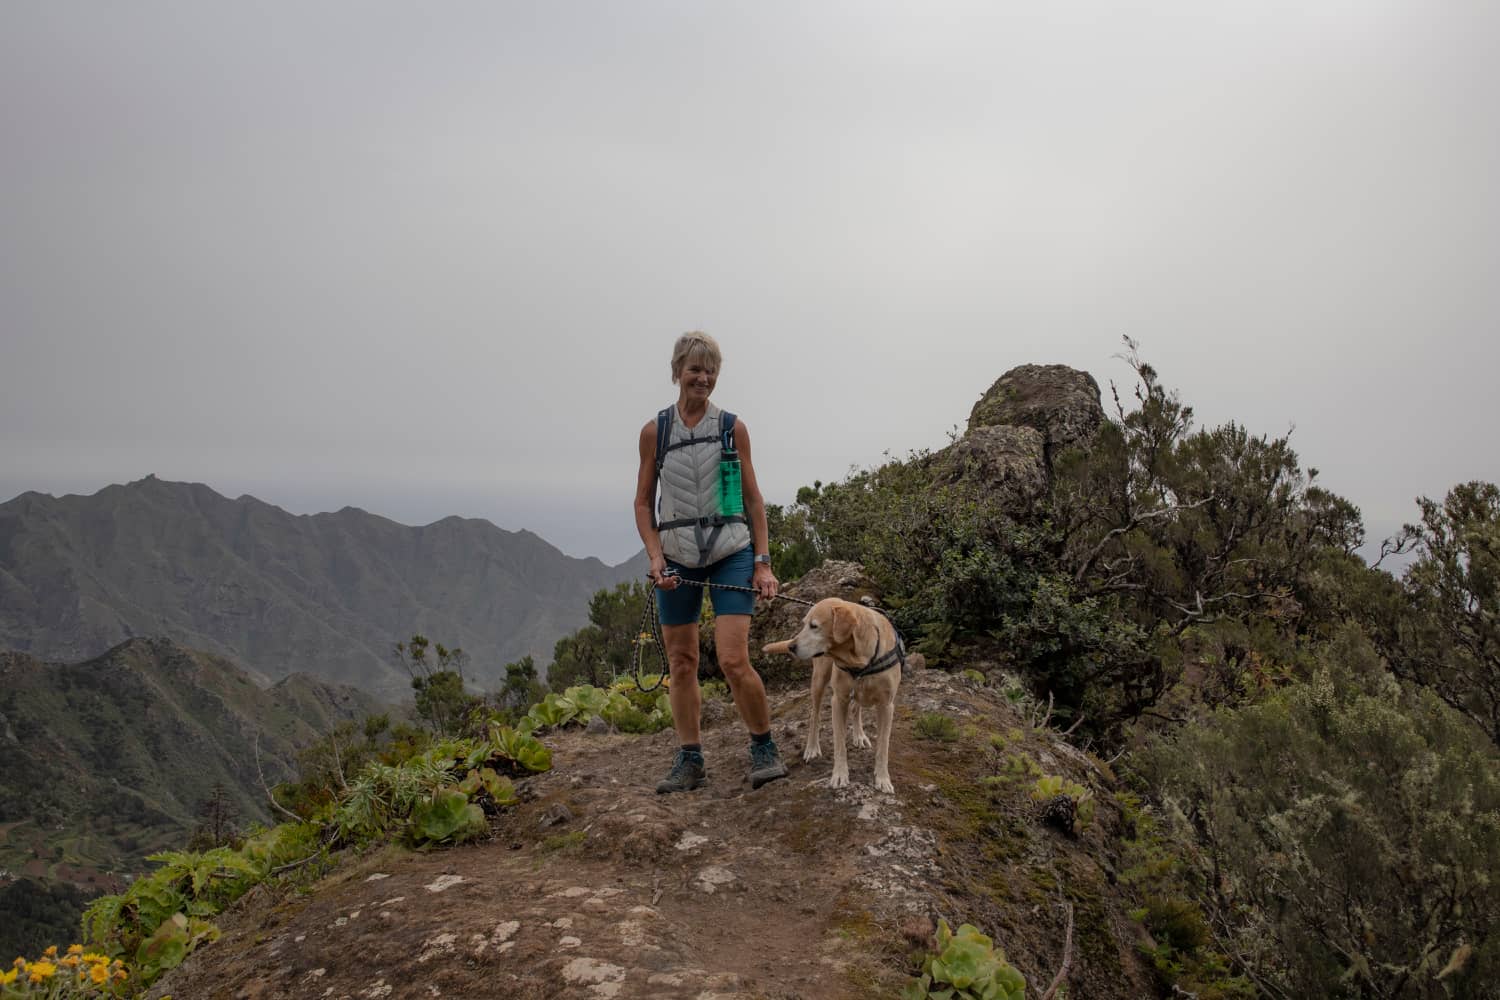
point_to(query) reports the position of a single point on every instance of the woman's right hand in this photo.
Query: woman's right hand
(660, 576)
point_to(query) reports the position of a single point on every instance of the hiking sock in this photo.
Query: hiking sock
(759, 738)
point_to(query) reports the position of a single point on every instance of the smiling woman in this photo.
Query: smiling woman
(711, 529)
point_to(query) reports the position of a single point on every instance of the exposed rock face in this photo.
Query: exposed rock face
(1008, 461)
(782, 619)
(1062, 403)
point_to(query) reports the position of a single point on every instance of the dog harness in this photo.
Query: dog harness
(880, 661)
(700, 506)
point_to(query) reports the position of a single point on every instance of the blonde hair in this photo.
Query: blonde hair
(694, 343)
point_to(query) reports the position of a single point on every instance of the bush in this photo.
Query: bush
(936, 726)
(1353, 827)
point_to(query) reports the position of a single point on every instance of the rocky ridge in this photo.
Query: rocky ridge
(597, 887)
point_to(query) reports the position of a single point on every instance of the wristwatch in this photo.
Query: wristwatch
(764, 557)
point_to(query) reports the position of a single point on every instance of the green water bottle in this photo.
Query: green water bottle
(731, 501)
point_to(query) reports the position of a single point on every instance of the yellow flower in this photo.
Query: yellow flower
(9, 977)
(40, 971)
(70, 961)
(94, 956)
(51, 951)
(19, 963)
(75, 949)
(99, 974)
(120, 975)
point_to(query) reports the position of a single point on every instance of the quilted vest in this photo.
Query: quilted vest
(688, 488)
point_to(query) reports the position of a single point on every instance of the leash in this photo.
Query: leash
(649, 632)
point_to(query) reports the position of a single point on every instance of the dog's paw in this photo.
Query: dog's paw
(884, 785)
(859, 740)
(812, 752)
(838, 779)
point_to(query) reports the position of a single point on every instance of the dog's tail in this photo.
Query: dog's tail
(782, 648)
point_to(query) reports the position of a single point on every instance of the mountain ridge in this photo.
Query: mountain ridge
(327, 593)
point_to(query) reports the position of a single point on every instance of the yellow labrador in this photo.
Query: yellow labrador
(857, 647)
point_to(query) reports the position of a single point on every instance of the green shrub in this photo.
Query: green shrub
(967, 966)
(1344, 831)
(936, 726)
(623, 705)
(1050, 786)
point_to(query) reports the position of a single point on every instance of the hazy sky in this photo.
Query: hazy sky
(429, 259)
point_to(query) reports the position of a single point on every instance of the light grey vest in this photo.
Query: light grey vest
(689, 488)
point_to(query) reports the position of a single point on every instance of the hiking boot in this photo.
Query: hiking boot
(765, 763)
(687, 774)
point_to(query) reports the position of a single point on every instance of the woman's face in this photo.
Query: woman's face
(698, 378)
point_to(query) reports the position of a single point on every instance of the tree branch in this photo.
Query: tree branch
(1067, 959)
(269, 797)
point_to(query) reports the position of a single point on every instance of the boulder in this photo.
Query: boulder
(1062, 403)
(779, 619)
(1008, 462)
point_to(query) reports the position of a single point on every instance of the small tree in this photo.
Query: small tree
(439, 683)
(216, 821)
(605, 647)
(522, 688)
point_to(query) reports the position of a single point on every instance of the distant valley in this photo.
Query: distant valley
(104, 761)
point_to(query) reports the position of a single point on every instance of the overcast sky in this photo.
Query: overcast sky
(430, 259)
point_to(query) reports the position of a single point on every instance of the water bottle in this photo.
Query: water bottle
(731, 501)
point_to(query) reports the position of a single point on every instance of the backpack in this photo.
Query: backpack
(727, 455)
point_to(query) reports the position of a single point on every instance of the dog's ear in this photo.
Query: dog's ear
(866, 632)
(841, 629)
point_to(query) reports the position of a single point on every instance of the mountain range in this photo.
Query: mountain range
(323, 594)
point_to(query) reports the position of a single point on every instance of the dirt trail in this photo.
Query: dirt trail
(597, 887)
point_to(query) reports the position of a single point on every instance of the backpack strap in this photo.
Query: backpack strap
(663, 432)
(726, 432)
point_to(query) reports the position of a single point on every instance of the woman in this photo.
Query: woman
(712, 528)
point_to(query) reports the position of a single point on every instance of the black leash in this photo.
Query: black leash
(650, 632)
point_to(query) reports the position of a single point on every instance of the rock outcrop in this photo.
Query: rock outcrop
(1017, 430)
(1061, 403)
(776, 620)
(1008, 462)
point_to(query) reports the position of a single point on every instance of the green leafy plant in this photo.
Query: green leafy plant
(496, 786)
(172, 942)
(1050, 786)
(519, 747)
(553, 711)
(967, 966)
(447, 817)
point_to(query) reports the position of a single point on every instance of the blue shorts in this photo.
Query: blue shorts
(683, 605)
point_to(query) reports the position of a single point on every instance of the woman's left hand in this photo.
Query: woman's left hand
(764, 582)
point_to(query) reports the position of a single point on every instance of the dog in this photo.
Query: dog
(858, 649)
